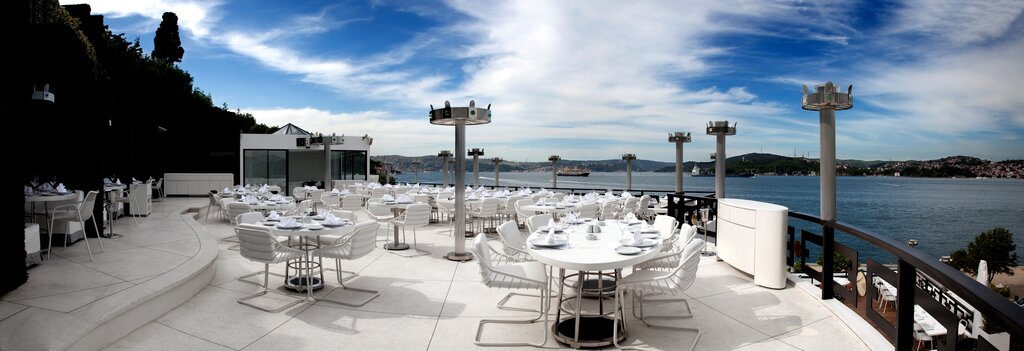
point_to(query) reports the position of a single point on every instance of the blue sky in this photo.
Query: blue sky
(595, 79)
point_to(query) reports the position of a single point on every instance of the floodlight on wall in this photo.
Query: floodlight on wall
(42, 95)
(460, 117)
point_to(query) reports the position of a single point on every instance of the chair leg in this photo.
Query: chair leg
(543, 300)
(638, 306)
(619, 314)
(415, 248)
(341, 281)
(266, 279)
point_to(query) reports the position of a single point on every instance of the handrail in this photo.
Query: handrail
(578, 189)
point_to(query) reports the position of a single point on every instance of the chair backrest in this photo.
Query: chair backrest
(352, 202)
(686, 272)
(249, 218)
(377, 209)
(345, 214)
(630, 205)
(301, 208)
(316, 195)
(641, 206)
(417, 215)
(483, 255)
(214, 200)
(378, 192)
(666, 225)
(364, 237)
(488, 207)
(332, 201)
(687, 233)
(558, 197)
(256, 243)
(421, 198)
(537, 221)
(509, 234)
(520, 204)
(160, 183)
(237, 208)
(299, 193)
(88, 204)
(589, 211)
(608, 210)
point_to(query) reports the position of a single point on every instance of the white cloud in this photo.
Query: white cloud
(957, 21)
(195, 16)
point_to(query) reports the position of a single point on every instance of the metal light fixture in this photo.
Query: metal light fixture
(629, 169)
(720, 130)
(42, 95)
(554, 170)
(679, 139)
(497, 168)
(826, 99)
(460, 117)
(476, 153)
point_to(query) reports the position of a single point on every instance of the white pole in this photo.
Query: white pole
(720, 167)
(828, 164)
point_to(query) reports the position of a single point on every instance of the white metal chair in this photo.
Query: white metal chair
(300, 209)
(380, 213)
(589, 211)
(487, 210)
(523, 215)
(360, 243)
(446, 210)
(655, 282)
(415, 216)
(535, 222)
(249, 218)
(512, 275)
(81, 212)
(159, 188)
(214, 203)
(609, 210)
(331, 202)
(224, 207)
(235, 209)
(258, 245)
(352, 202)
(124, 197)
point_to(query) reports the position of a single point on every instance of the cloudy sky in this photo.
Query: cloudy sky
(594, 79)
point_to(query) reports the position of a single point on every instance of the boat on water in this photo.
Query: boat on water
(573, 172)
(700, 172)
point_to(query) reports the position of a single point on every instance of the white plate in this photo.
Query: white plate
(628, 250)
(650, 236)
(543, 242)
(296, 226)
(642, 243)
(319, 218)
(342, 224)
(273, 219)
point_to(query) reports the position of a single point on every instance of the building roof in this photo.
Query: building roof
(291, 129)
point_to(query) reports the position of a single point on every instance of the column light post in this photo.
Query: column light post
(720, 130)
(445, 155)
(460, 117)
(497, 170)
(827, 99)
(554, 170)
(416, 171)
(476, 153)
(629, 170)
(679, 139)
(327, 141)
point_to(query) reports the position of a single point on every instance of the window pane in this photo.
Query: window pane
(277, 168)
(255, 163)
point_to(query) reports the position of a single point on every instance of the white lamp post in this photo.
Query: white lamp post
(416, 171)
(444, 155)
(497, 168)
(720, 130)
(827, 100)
(460, 117)
(554, 170)
(629, 170)
(476, 153)
(679, 139)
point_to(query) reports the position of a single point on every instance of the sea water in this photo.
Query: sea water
(942, 214)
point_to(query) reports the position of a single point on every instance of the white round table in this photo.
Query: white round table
(47, 197)
(586, 255)
(307, 243)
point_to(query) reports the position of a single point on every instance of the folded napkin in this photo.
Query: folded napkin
(61, 188)
(335, 191)
(636, 237)
(551, 233)
(309, 188)
(344, 192)
(117, 181)
(227, 190)
(551, 224)
(630, 218)
(644, 227)
(541, 202)
(288, 222)
(626, 195)
(331, 219)
(571, 218)
(274, 215)
(387, 198)
(249, 199)
(46, 186)
(404, 199)
(472, 196)
(107, 181)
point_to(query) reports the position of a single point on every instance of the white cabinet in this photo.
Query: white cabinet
(752, 238)
(196, 184)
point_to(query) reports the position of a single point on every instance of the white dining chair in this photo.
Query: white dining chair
(235, 209)
(350, 247)
(78, 212)
(214, 204)
(159, 188)
(535, 222)
(643, 283)
(415, 216)
(510, 275)
(609, 210)
(488, 210)
(258, 245)
(380, 213)
(521, 214)
(589, 211)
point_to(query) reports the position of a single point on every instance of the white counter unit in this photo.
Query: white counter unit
(752, 238)
(196, 184)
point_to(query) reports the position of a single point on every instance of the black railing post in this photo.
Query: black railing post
(828, 239)
(906, 277)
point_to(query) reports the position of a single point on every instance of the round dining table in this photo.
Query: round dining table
(307, 234)
(594, 254)
(47, 197)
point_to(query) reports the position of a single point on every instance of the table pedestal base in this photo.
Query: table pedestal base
(459, 256)
(302, 283)
(594, 332)
(396, 246)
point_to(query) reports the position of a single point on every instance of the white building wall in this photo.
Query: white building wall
(287, 142)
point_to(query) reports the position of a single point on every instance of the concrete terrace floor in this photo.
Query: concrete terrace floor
(426, 302)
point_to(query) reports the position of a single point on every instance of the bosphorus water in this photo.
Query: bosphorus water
(942, 214)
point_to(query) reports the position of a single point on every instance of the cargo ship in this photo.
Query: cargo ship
(573, 172)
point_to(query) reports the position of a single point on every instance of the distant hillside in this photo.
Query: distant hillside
(756, 163)
(432, 163)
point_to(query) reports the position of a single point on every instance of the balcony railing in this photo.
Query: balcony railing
(941, 290)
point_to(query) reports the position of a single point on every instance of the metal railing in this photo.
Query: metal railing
(919, 280)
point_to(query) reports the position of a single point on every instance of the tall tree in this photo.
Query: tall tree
(167, 43)
(995, 246)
